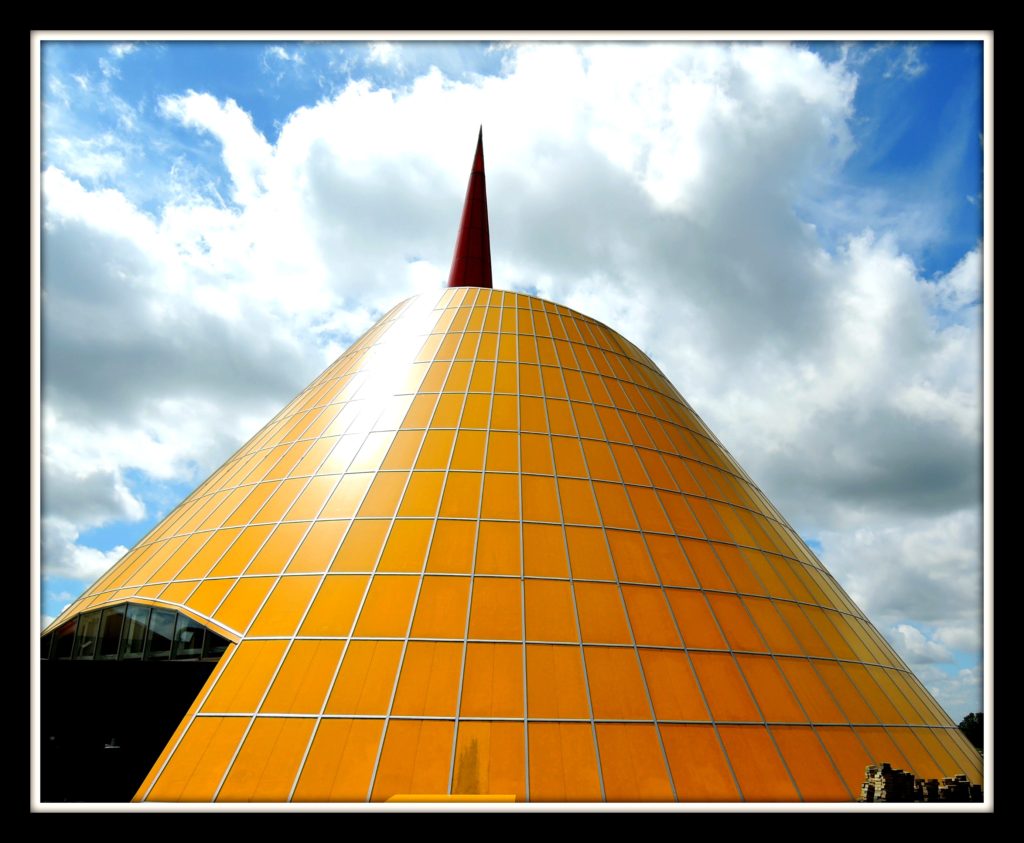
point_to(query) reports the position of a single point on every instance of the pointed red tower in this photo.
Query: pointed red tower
(471, 264)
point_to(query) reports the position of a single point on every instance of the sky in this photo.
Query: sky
(792, 231)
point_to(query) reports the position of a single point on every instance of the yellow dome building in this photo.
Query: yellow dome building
(492, 553)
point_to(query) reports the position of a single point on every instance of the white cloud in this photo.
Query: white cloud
(916, 647)
(959, 692)
(119, 51)
(650, 187)
(108, 68)
(381, 52)
(66, 558)
(279, 52)
(246, 152)
(908, 63)
(89, 158)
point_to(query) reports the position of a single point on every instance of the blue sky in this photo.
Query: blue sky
(810, 213)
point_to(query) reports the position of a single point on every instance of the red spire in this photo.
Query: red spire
(471, 265)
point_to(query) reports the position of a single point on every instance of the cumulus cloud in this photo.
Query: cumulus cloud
(654, 187)
(382, 52)
(916, 647)
(65, 557)
(246, 151)
(960, 692)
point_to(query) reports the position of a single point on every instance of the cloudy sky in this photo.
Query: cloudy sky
(792, 231)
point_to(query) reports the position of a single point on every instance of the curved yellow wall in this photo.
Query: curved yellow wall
(491, 550)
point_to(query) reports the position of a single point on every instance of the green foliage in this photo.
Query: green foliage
(973, 727)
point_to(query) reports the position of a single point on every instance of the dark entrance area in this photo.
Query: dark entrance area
(104, 723)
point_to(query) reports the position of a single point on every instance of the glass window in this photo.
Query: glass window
(65, 639)
(188, 639)
(161, 634)
(214, 645)
(85, 641)
(110, 632)
(133, 642)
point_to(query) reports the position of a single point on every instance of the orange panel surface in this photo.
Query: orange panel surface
(496, 531)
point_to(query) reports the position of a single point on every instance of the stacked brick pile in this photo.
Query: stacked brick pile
(884, 784)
